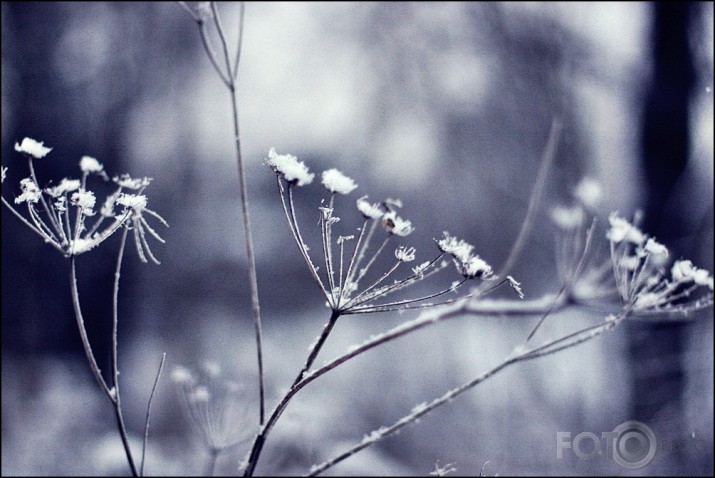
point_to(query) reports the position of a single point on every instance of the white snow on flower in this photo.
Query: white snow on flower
(588, 192)
(702, 277)
(516, 286)
(88, 164)
(33, 148)
(404, 254)
(343, 239)
(132, 201)
(4, 173)
(656, 248)
(630, 263)
(682, 271)
(81, 245)
(128, 182)
(336, 182)
(30, 192)
(647, 300)
(475, 267)
(65, 186)
(85, 200)
(369, 211)
(458, 248)
(623, 230)
(289, 168)
(181, 374)
(200, 394)
(396, 225)
(567, 217)
(61, 204)
(419, 270)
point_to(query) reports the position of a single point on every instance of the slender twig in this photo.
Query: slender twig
(148, 412)
(230, 83)
(546, 159)
(318, 345)
(581, 336)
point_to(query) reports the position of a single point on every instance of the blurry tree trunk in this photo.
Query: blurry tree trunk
(657, 350)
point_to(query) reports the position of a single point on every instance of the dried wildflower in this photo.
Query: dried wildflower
(567, 217)
(88, 164)
(85, 200)
(289, 168)
(396, 225)
(457, 248)
(54, 223)
(213, 404)
(369, 211)
(30, 192)
(404, 254)
(588, 192)
(33, 148)
(475, 267)
(643, 285)
(336, 182)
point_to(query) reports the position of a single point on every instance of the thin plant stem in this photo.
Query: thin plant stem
(581, 336)
(148, 413)
(318, 345)
(546, 159)
(111, 394)
(115, 362)
(211, 462)
(252, 276)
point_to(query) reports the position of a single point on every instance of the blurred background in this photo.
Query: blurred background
(446, 106)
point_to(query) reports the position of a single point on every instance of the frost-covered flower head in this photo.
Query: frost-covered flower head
(568, 218)
(588, 192)
(644, 286)
(336, 182)
(368, 210)
(213, 404)
(470, 265)
(66, 229)
(289, 168)
(29, 146)
(394, 224)
(348, 279)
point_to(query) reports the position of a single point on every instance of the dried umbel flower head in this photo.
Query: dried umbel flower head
(287, 167)
(213, 404)
(644, 286)
(61, 220)
(342, 280)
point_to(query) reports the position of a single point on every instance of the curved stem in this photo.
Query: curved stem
(115, 361)
(318, 345)
(83, 334)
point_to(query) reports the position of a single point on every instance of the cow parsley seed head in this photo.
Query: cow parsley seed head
(132, 201)
(181, 375)
(336, 182)
(475, 267)
(622, 230)
(655, 248)
(396, 225)
(65, 186)
(128, 182)
(30, 192)
(588, 192)
(289, 168)
(567, 218)
(33, 148)
(369, 211)
(457, 248)
(404, 254)
(88, 164)
(85, 200)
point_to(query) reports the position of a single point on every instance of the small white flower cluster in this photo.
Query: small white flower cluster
(75, 237)
(213, 404)
(644, 286)
(343, 293)
(470, 265)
